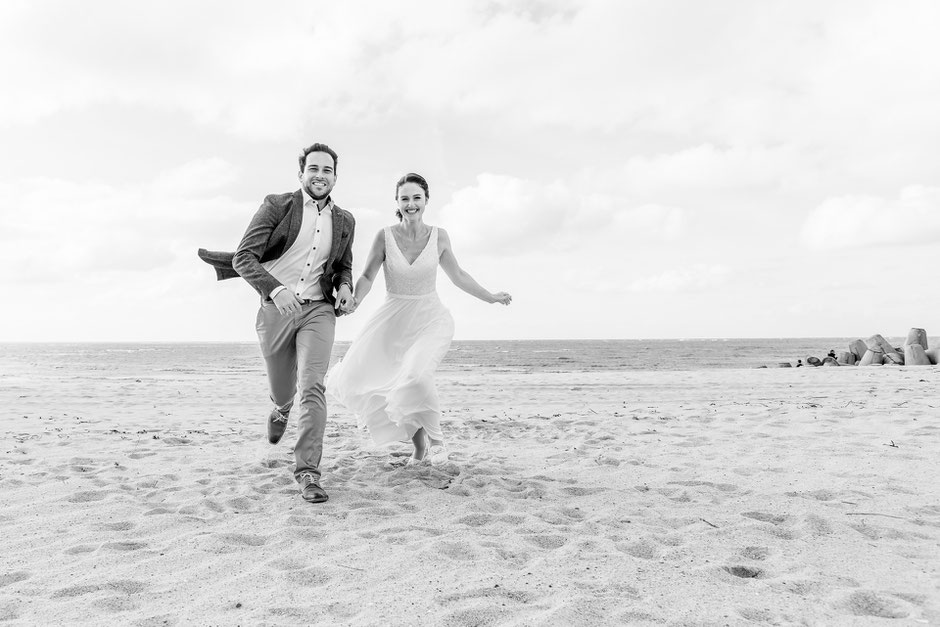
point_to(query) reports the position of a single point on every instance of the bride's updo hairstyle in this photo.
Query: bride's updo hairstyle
(411, 177)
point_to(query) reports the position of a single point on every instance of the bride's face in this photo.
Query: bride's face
(411, 201)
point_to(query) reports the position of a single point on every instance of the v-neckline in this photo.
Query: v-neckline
(402, 253)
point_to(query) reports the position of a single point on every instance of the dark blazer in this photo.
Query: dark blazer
(271, 232)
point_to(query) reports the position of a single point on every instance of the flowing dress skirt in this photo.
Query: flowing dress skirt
(386, 377)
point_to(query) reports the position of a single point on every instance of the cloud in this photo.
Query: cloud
(694, 278)
(195, 177)
(510, 216)
(750, 75)
(52, 230)
(856, 221)
(707, 167)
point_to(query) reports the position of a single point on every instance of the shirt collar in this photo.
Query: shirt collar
(310, 202)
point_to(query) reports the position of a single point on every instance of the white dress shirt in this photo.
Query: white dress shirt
(300, 267)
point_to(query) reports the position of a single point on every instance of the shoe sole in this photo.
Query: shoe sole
(316, 499)
(274, 438)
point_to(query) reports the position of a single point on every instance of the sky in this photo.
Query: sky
(623, 168)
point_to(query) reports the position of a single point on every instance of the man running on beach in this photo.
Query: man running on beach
(296, 251)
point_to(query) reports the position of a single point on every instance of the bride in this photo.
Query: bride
(387, 376)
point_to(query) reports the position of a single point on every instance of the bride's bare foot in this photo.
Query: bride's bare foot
(420, 441)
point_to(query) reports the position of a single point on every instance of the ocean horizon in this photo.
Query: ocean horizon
(136, 358)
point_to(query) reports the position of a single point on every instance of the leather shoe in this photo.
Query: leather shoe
(310, 489)
(277, 425)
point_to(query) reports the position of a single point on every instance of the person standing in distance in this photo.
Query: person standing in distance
(296, 252)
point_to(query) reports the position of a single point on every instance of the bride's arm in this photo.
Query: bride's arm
(461, 278)
(373, 263)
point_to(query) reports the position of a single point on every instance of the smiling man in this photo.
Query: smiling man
(296, 252)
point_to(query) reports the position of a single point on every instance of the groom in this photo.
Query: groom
(296, 252)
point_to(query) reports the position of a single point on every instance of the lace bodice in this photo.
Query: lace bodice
(410, 280)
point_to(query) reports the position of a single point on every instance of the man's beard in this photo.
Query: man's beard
(318, 195)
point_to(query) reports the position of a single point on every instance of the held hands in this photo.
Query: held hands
(502, 297)
(344, 300)
(286, 302)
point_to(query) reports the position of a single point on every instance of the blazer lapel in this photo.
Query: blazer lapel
(337, 236)
(296, 216)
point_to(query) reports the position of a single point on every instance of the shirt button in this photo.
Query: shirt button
(301, 279)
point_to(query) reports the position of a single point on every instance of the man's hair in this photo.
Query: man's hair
(302, 159)
(411, 177)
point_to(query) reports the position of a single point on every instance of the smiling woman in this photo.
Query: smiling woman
(387, 376)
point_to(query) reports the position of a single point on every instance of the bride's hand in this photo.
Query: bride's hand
(502, 297)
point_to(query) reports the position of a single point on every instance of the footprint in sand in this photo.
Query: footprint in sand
(123, 586)
(116, 604)
(8, 611)
(124, 546)
(141, 455)
(757, 615)
(289, 563)
(745, 572)
(87, 496)
(874, 532)
(804, 587)
(765, 517)
(242, 539)
(580, 491)
(310, 577)
(546, 541)
(81, 548)
(489, 595)
(175, 441)
(756, 553)
(303, 521)
(870, 603)
(242, 504)
(817, 525)
(14, 577)
(475, 520)
(460, 551)
(819, 495)
(643, 549)
(119, 526)
(163, 620)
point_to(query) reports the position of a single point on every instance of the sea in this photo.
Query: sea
(523, 356)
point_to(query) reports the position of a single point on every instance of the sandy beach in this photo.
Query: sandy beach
(713, 497)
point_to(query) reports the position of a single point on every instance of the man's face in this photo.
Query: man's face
(319, 175)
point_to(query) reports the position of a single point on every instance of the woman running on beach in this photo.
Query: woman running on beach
(387, 376)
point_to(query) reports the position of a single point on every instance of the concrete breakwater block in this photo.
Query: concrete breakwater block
(872, 358)
(877, 343)
(915, 355)
(846, 358)
(916, 336)
(858, 348)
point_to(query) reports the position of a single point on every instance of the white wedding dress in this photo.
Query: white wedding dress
(386, 377)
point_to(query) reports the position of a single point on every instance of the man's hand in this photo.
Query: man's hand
(286, 302)
(344, 299)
